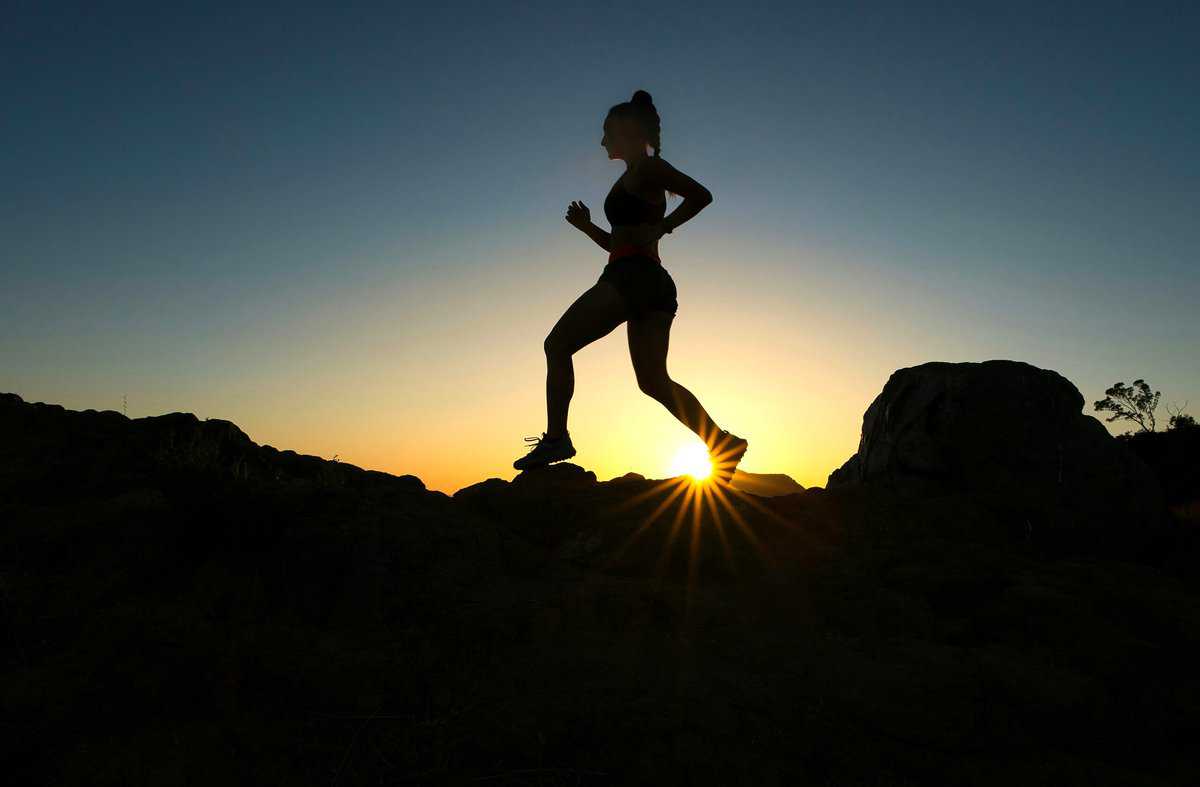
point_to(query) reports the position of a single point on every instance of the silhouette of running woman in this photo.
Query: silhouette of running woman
(634, 288)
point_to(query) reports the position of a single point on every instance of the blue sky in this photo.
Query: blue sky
(332, 224)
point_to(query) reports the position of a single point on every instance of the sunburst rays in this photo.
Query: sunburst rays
(696, 504)
(694, 511)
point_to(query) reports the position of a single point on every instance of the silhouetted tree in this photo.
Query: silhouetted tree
(1132, 402)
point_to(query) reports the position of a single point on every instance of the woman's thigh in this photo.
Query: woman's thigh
(592, 316)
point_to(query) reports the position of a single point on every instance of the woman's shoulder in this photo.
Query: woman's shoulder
(654, 166)
(645, 180)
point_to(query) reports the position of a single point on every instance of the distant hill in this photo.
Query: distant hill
(761, 484)
(179, 604)
(765, 484)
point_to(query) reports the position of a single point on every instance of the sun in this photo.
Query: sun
(692, 459)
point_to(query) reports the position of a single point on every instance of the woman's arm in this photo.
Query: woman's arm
(579, 216)
(602, 237)
(695, 196)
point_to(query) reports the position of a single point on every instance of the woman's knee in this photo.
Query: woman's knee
(555, 346)
(656, 386)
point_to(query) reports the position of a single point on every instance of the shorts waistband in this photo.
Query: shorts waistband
(630, 250)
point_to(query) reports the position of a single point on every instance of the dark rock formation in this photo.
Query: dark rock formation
(46, 445)
(611, 525)
(1006, 432)
(178, 605)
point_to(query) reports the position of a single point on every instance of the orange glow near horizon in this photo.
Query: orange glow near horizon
(378, 376)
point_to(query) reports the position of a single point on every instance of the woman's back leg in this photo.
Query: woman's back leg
(649, 337)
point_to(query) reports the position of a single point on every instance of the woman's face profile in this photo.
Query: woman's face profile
(619, 137)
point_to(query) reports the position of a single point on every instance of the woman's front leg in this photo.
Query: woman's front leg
(592, 316)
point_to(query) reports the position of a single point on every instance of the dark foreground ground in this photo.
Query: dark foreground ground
(180, 606)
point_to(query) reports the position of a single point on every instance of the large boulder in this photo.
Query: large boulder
(1005, 431)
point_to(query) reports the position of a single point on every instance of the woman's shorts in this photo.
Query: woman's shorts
(644, 283)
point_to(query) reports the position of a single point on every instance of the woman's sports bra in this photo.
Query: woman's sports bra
(622, 207)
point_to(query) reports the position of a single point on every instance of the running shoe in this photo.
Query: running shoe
(727, 450)
(545, 450)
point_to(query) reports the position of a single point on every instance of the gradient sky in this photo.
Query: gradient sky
(343, 228)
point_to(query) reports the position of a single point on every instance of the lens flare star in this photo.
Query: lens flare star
(692, 460)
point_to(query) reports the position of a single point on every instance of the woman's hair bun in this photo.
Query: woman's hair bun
(642, 97)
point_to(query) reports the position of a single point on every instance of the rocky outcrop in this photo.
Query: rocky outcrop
(178, 604)
(635, 526)
(1004, 431)
(47, 447)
